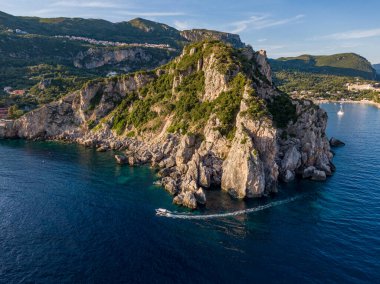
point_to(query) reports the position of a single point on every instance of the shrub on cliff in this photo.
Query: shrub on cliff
(282, 110)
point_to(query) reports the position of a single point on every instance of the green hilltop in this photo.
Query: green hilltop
(344, 64)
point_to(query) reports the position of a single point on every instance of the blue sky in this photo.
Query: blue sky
(282, 27)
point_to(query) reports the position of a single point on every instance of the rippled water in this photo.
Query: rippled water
(69, 214)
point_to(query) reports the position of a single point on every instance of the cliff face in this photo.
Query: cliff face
(211, 117)
(126, 59)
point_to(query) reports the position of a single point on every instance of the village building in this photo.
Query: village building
(111, 74)
(363, 87)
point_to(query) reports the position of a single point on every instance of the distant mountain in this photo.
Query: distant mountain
(344, 64)
(377, 68)
(134, 31)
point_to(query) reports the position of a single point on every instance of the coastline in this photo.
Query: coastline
(367, 102)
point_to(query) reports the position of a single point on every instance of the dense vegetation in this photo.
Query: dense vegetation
(184, 104)
(282, 110)
(192, 113)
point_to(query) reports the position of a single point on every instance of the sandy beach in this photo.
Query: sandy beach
(367, 102)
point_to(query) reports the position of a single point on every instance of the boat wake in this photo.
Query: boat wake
(174, 215)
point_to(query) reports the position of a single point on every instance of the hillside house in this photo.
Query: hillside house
(18, 92)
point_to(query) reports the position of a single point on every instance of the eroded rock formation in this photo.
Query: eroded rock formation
(211, 117)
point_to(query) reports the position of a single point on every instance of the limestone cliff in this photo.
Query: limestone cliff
(209, 118)
(126, 59)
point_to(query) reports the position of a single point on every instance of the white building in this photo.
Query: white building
(8, 89)
(363, 87)
(111, 74)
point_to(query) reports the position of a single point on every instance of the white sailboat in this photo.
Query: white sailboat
(341, 112)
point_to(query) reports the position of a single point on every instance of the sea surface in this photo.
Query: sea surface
(71, 215)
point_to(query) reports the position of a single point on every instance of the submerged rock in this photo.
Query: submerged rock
(121, 159)
(200, 196)
(308, 172)
(318, 175)
(102, 149)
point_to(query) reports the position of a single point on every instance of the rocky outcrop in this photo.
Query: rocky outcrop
(243, 171)
(305, 145)
(197, 35)
(236, 147)
(7, 129)
(290, 162)
(318, 175)
(215, 82)
(263, 64)
(58, 119)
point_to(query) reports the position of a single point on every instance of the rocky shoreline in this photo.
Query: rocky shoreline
(187, 165)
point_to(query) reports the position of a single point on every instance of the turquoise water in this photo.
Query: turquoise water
(69, 214)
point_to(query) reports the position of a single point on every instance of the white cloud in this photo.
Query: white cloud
(150, 14)
(86, 4)
(354, 34)
(259, 22)
(116, 9)
(181, 25)
(262, 40)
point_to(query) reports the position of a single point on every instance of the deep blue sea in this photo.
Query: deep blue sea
(71, 215)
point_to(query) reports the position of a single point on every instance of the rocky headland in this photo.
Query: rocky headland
(210, 118)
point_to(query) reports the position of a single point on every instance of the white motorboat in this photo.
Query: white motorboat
(162, 212)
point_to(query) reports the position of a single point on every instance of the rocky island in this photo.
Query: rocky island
(209, 118)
